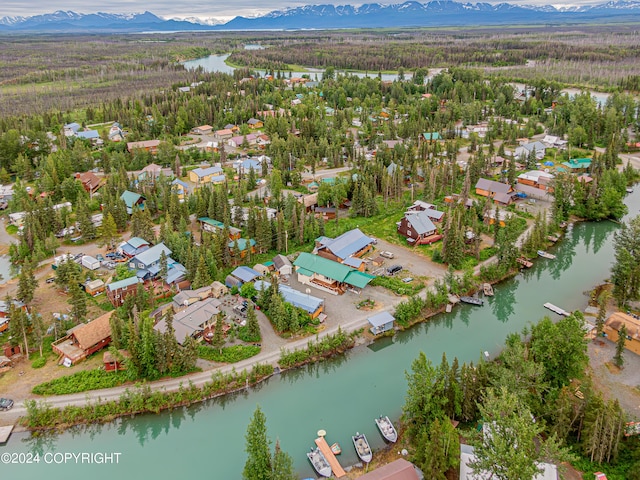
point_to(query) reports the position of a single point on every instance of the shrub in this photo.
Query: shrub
(232, 354)
(39, 362)
(81, 382)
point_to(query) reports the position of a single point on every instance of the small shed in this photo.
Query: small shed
(218, 289)
(381, 322)
(113, 364)
(261, 269)
(282, 265)
(5, 363)
(378, 261)
(95, 287)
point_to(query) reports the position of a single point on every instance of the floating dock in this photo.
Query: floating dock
(5, 432)
(324, 447)
(557, 310)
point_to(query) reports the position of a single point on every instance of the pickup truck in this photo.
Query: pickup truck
(386, 254)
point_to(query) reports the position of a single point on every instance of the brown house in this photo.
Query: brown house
(84, 340)
(418, 228)
(501, 193)
(615, 322)
(113, 364)
(150, 146)
(118, 291)
(90, 181)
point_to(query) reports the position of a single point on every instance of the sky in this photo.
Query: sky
(203, 9)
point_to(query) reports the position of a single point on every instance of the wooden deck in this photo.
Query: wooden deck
(5, 432)
(324, 447)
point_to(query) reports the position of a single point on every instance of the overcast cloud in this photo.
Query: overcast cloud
(223, 9)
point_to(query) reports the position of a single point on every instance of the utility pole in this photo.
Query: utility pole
(286, 241)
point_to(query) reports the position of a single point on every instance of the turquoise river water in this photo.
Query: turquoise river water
(342, 395)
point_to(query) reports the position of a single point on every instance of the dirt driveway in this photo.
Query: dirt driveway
(624, 384)
(412, 261)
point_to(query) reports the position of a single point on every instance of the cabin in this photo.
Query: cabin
(329, 276)
(537, 179)
(214, 226)
(202, 130)
(84, 340)
(242, 245)
(314, 306)
(112, 363)
(254, 123)
(353, 243)
(327, 213)
(430, 137)
(192, 321)
(210, 175)
(150, 146)
(90, 182)
(237, 141)
(503, 216)
(118, 291)
(181, 189)
(418, 228)
(132, 200)
(380, 323)
(501, 193)
(224, 134)
(282, 265)
(428, 208)
(614, 323)
(152, 172)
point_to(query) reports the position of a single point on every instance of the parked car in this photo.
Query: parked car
(109, 265)
(99, 257)
(393, 269)
(386, 254)
(6, 404)
(50, 280)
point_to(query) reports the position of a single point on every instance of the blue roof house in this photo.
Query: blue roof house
(353, 243)
(245, 274)
(147, 263)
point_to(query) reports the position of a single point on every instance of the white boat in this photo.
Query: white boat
(543, 254)
(362, 447)
(487, 289)
(319, 462)
(386, 428)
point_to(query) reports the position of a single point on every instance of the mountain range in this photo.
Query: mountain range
(373, 15)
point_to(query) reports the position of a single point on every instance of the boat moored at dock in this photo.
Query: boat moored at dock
(487, 289)
(543, 254)
(319, 462)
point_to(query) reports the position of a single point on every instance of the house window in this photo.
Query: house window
(141, 266)
(409, 232)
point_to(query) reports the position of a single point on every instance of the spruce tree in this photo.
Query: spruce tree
(618, 358)
(259, 461)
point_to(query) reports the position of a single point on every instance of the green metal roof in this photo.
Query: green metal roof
(130, 198)
(212, 222)
(431, 136)
(323, 266)
(358, 279)
(242, 243)
(308, 264)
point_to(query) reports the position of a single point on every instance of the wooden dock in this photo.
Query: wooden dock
(5, 432)
(557, 310)
(524, 262)
(324, 447)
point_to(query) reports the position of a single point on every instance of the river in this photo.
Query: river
(342, 395)
(216, 63)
